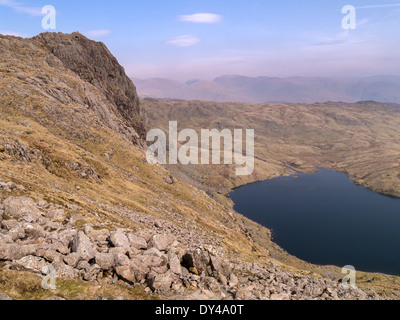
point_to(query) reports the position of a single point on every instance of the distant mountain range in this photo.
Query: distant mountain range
(232, 88)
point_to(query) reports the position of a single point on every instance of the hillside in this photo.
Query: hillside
(361, 139)
(77, 195)
(274, 90)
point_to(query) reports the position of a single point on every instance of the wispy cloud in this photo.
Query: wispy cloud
(21, 8)
(201, 18)
(183, 41)
(12, 33)
(376, 6)
(330, 41)
(99, 33)
(362, 22)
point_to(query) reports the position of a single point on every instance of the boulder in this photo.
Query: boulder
(30, 263)
(73, 219)
(10, 224)
(156, 264)
(161, 283)
(55, 214)
(82, 245)
(119, 239)
(66, 237)
(137, 242)
(153, 252)
(51, 226)
(34, 231)
(233, 280)
(121, 259)
(17, 233)
(105, 261)
(133, 252)
(21, 209)
(83, 265)
(53, 256)
(97, 236)
(91, 273)
(125, 273)
(15, 252)
(146, 235)
(61, 248)
(160, 269)
(222, 279)
(5, 238)
(185, 272)
(221, 266)
(175, 264)
(153, 261)
(198, 260)
(121, 250)
(49, 254)
(4, 297)
(72, 259)
(65, 271)
(139, 268)
(160, 242)
(212, 284)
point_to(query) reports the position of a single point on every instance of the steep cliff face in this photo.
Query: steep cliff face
(94, 63)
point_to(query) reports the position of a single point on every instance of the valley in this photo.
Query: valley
(361, 139)
(78, 195)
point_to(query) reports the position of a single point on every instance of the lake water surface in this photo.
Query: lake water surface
(325, 219)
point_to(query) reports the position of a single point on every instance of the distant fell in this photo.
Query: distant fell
(234, 88)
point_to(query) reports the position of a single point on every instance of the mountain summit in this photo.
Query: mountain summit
(69, 68)
(94, 63)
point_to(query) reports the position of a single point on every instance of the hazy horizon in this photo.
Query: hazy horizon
(184, 40)
(196, 79)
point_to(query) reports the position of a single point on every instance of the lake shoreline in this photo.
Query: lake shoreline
(302, 172)
(276, 233)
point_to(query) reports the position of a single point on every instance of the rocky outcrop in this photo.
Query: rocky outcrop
(83, 247)
(76, 83)
(4, 297)
(158, 261)
(94, 63)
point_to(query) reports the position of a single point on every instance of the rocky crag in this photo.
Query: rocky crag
(77, 195)
(94, 63)
(162, 259)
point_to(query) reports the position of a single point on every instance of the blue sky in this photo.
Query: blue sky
(203, 39)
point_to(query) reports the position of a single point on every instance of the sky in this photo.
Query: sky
(203, 39)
